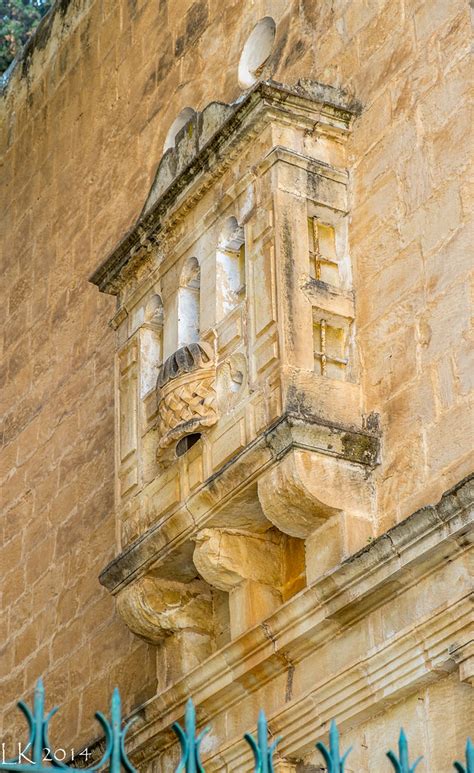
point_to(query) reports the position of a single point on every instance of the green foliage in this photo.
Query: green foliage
(18, 20)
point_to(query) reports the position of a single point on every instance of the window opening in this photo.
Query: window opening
(187, 442)
(322, 251)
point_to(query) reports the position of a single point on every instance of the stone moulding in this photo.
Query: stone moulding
(186, 392)
(429, 540)
(315, 103)
(432, 538)
(361, 690)
(463, 655)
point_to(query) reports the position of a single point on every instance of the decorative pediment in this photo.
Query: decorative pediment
(209, 141)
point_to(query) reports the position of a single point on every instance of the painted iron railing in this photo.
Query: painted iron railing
(115, 757)
(38, 750)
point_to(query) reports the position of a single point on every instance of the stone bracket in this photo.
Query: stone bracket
(249, 567)
(327, 502)
(434, 539)
(154, 608)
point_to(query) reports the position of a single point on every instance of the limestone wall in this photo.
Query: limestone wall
(84, 121)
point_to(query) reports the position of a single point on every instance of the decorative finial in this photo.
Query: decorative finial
(190, 761)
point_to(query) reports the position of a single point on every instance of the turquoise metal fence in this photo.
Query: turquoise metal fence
(38, 750)
(115, 757)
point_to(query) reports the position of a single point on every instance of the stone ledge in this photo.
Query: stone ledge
(418, 656)
(292, 431)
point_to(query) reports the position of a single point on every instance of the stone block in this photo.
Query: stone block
(437, 219)
(432, 18)
(450, 264)
(447, 440)
(250, 603)
(453, 41)
(419, 78)
(448, 323)
(399, 279)
(339, 538)
(26, 643)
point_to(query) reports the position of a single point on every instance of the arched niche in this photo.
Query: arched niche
(189, 303)
(256, 51)
(230, 267)
(154, 310)
(151, 344)
(181, 120)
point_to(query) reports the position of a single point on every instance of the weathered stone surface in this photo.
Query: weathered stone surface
(186, 392)
(253, 570)
(155, 608)
(306, 489)
(229, 499)
(369, 631)
(227, 558)
(84, 120)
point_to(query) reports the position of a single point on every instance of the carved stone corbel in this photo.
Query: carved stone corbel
(174, 614)
(154, 608)
(249, 567)
(326, 501)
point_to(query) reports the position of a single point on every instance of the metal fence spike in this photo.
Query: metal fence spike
(190, 761)
(262, 752)
(469, 767)
(334, 762)
(116, 756)
(401, 764)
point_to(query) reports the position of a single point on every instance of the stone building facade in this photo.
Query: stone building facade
(241, 470)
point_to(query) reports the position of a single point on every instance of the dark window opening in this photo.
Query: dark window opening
(186, 443)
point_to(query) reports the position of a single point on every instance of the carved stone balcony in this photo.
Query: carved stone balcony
(280, 490)
(186, 393)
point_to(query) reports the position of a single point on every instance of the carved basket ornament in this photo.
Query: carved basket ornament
(186, 390)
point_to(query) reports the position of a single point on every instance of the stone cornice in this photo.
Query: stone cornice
(417, 656)
(426, 541)
(313, 102)
(298, 160)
